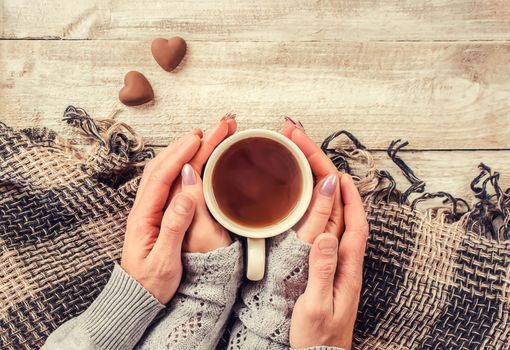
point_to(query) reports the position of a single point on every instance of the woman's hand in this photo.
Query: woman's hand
(325, 213)
(155, 230)
(204, 234)
(325, 313)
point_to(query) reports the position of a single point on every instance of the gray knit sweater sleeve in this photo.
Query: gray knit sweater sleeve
(115, 320)
(199, 311)
(265, 309)
(123, 311)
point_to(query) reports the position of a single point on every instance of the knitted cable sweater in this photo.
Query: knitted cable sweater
(125, 315)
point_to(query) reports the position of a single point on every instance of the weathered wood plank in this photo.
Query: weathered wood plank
(449, 171)
(264, 20)
(437, 95)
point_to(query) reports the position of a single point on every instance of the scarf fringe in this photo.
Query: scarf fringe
(113, 136)
(489, 216)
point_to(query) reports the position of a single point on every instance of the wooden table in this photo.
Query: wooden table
(436, 73)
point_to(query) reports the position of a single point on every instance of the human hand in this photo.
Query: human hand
(204, 234)
(325, 212)
(152, 246)
(326, 312)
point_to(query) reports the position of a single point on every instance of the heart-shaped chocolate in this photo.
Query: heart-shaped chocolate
(168, 53)
(136, 90)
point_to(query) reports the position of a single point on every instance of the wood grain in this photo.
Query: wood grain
(450, 171)
(437, 95)
(264, 20)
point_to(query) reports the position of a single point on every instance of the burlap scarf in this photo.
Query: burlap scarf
(434, 279)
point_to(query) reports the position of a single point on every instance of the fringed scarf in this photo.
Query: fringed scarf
(434, 279)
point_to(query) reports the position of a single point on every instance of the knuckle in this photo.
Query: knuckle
(172, 226)
(157, 175)
(334, 226)
(325, 269)
(335, 220)
(322, 210)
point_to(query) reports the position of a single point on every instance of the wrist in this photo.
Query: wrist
(195, 242)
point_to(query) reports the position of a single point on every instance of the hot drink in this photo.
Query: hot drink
(256, 182)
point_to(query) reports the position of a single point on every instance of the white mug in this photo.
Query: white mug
(256, 235)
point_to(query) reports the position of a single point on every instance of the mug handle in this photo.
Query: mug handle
(256, 258)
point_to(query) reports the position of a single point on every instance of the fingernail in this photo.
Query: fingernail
(329, 186)
(296, 124)
(198, 132)
(290, 120)
(188, 175)
(328, 246)
(183, 204)
(228, 117)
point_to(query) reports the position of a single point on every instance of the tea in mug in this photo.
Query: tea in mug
(256, 182)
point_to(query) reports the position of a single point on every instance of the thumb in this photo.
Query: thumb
(322, 267)
(192, 184)
(175, 223)
(319, 211)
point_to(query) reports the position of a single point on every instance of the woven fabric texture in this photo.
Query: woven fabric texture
(434, 279)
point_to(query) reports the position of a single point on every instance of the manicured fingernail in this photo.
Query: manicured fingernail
(290, 120)
(328, 246)
(198, 132)
(329, 186)
(188, 175)
(296, 124)
(228, 117)
(183, 204)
